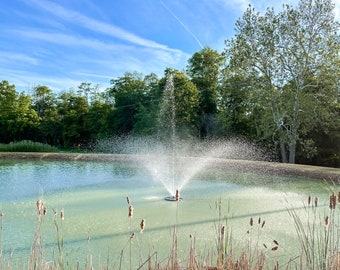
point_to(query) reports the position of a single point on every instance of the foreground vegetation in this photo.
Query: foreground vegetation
(276, 83)
(317, 236)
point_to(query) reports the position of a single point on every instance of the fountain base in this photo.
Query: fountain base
(172, 199)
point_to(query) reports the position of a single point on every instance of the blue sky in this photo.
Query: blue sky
(61, 43)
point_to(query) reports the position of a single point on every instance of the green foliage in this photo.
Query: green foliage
(291, 60)
(186, 102)
(204, 69)
(277, 83)
(27, 146)
(17, 120)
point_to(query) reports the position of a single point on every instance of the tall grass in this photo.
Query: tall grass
(27, 146)
(317, 233)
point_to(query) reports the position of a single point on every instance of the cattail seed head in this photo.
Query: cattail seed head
(332, 201)
(62, 214)
(251, 222)
(130, 215)
(177, 195)
(142, 225)
(275, 242)
(40, 207)
(132, 236)
(128, 200)
(309, 200)
(222, 232)
(316, 201)
(264, 222)
(326, 221)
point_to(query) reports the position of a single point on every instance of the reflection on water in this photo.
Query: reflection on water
(93, 196)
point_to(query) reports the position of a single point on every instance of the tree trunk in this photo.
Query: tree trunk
(292, 151)
(283, 153)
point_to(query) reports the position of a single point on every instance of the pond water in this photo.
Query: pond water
(93, 197)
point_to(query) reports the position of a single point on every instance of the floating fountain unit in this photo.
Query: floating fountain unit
(174, 198)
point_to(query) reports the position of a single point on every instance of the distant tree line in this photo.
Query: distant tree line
(276, 83)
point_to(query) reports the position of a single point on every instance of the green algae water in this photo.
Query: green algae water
(96, 228)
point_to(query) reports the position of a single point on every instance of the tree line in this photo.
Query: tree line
(276, 83)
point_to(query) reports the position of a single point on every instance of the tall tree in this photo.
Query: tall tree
(186, 103)
(17, 120)
(128, 93)
(204, 68)
(44, 102)
(287, 57)
(72, 110)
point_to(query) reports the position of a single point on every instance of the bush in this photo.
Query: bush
(27, 146)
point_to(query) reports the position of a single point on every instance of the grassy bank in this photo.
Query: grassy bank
(27, 146)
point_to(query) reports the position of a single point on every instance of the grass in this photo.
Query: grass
(317, 236)
(27, 146)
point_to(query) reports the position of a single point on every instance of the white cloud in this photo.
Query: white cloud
(8, 57)
(97, 26)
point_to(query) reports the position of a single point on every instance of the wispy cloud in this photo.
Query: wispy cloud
(8, 57)
(96, 25)
(67, 39)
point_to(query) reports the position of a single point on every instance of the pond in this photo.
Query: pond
(96, 227)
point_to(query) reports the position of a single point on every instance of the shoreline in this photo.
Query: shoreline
(275, 168)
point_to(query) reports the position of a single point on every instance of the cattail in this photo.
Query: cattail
(265, 246)
(309, 200)
(259, 221)
(332, 201)
(142, 225)
(177, 195)
(251, 222)
(45, 211)
(275, 242)
(62, 215)
(128, 200)
(132, 236)
(222, 232)
(275, 248)
(40, 205)
(326, 221)
(316, 201)
(264, 222)
(130, 211)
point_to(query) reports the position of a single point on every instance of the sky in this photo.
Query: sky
(62, 43)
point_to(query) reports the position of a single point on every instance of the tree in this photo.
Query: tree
(186, 103)
(128, 93)
(287, 57)
(204, 68)
(44, 102)
(72, 110)
(17, 120)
